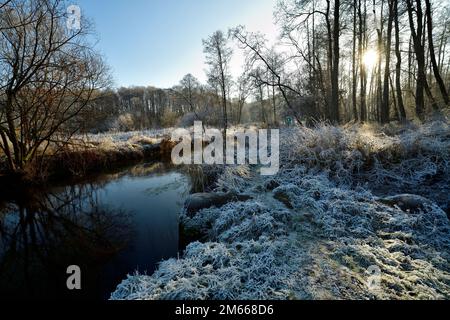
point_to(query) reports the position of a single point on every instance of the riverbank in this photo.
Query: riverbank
(332, 224)
(90, 154)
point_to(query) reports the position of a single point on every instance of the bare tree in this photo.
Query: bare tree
(243, 92)
(354, 64)
(362, 47)
(256, 52)
(418, 37)
(334, 105)
(295, 17)
(398, 65)
(49, 75)
(434, 63)
(384, 112)
(189, 86)
(218, 56)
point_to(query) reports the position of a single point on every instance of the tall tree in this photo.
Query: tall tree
(384, 115)
(334, 106)
(398, 65)
(354, 64)
(416, 35)
(218, 56)
(189, 86)
(243, 88)
(362, 47)
(434, 63)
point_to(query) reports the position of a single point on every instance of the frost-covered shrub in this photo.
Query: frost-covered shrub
(203, 177)
(239, 221)
(413, 160)
(142, 140)
(235, 178)
(248, 270)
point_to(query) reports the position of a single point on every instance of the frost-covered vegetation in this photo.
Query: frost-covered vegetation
(118, 137)
(321, 227)
(96, 152)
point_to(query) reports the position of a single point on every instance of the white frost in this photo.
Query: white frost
(328, 226)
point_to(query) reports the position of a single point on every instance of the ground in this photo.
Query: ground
(332, 224)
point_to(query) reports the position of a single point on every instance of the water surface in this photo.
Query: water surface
(110, 225)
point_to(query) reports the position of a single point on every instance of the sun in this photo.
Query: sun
(370, 58)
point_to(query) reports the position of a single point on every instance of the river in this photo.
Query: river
(109, 225)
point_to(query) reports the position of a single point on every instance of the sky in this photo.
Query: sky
(157, 42)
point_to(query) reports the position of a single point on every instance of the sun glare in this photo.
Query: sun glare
(370, 59)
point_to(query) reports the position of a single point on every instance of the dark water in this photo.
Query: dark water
(109, 226)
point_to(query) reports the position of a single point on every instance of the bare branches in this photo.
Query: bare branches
(218, 56)
(49, 75)
(255, 44)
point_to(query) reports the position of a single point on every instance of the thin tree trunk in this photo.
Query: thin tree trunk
(397, 113)
(379, 86)
(400, 104)
(442, 46)
(385, 102)
(354, 70)
(361, 48)
(275, 121)
(329, 112)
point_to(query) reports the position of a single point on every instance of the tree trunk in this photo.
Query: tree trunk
(335, 65)
(275, 122)
(354, 68)
(420, 56)
(223, 87)
(385, 102)
(361, 48)
(434, 63)
(400, 104)
(379, 85)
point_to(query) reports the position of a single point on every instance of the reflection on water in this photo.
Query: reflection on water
(109, 226)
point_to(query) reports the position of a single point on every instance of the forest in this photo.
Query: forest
(359, 91)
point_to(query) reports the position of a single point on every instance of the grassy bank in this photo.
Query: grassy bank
(330, 220)
(92, 154)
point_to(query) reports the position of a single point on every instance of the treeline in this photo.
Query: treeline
(138, 108)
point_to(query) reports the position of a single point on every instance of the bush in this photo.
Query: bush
(169, 119)
(124, 122)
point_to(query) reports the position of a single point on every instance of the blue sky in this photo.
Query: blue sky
(156, 42)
